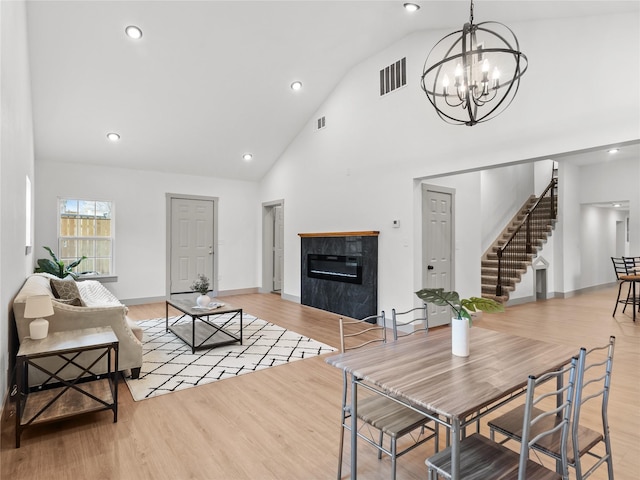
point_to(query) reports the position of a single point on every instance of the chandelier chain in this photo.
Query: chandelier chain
(471, 13)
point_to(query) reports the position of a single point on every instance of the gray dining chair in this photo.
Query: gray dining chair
(416, 319)
(379, 416)
(592, 385)
(482, 458)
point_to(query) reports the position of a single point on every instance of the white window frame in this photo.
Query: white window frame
(112, 237)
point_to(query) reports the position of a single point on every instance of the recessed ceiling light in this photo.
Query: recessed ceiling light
(114, 137)
(297, 85)
(617, 205)
(613, 150)
(247, 156)
(133, 32)
(411, 7)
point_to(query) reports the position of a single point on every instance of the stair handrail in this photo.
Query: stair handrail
(527, 221)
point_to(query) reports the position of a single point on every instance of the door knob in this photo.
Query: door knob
(429, 267)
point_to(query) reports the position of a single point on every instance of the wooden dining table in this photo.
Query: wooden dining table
(421, 372)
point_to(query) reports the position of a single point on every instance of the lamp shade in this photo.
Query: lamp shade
(38, 306)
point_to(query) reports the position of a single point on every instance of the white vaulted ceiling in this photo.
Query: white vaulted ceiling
(210, 80)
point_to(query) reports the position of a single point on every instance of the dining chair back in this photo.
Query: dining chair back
(415, 319)
(593, 381)
(482, 458)
(360, 333)
(378, 415)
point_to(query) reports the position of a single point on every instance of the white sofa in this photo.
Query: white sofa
(101, 309)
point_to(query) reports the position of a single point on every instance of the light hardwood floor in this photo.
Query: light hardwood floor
(283, 422)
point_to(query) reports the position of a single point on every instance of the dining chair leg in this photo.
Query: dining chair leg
(341, 450)
(607, 447)
(393, 458)
(380, 443)
(431, 475)
(618, 299)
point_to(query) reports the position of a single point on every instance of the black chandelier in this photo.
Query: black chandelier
(467, 87)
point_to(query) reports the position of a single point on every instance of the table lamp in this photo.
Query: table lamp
(38, 306)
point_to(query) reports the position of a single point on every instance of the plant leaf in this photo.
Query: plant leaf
(76, 263)
(438, 296)
(53, 255)
(485, 304)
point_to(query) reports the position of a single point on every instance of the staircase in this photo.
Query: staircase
(513, 252)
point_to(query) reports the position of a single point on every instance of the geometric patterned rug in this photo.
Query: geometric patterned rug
(169, 366)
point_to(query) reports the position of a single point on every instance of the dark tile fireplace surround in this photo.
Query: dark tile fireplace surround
(339, 272)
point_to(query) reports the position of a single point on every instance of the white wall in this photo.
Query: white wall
(16, 162)
(357, 173)
(504, 191)
(140, 226)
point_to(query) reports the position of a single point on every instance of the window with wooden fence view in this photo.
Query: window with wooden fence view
(86, 229)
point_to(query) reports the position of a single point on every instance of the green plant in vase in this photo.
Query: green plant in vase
(460, 306)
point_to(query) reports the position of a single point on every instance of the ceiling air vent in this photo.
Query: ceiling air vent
(393, 77)
(321, 123)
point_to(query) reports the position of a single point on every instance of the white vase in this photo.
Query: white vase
(460, 331)
(203, 300)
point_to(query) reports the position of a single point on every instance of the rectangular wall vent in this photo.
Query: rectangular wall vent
(393, 77)
(321, 123)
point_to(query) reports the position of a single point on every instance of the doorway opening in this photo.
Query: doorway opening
(273, 247)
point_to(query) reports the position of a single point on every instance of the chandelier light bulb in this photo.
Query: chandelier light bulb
(485, 66)
(458, 73)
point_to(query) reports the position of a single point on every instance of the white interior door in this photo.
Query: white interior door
(191, 242)
(437, 271)
(278, 247)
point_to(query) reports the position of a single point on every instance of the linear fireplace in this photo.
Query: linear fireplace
(339, 268)
(339, 272)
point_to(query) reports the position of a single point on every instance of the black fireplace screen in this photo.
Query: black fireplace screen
(340, 268)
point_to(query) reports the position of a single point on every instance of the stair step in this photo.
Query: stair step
(543, 226)
(502, 299)
(491, 289)
(488, 280)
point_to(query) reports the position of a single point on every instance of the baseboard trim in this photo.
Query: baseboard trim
(240, 291)
(573, 293)
(290, 298)
(580, 291)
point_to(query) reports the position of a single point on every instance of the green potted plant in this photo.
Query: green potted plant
(201, 285)
(461, 322)
(57, 267)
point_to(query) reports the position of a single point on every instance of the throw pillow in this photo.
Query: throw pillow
(76, 302)
(66, 289)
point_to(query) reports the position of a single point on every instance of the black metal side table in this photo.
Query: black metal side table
(87, 392)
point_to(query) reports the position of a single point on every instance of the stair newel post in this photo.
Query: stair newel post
(554, 207)
(528, 241)
(499, 285)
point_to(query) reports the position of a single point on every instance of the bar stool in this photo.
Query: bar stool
(632, 276)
